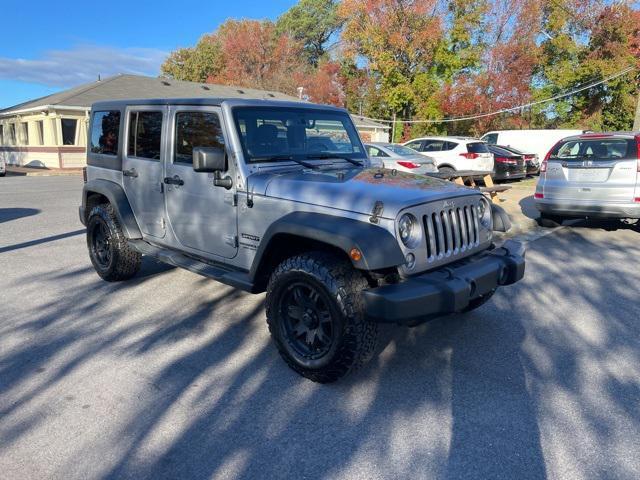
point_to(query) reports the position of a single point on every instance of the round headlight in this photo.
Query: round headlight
(408, 229)
(484, 212)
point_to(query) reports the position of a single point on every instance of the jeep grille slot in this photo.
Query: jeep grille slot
(451, 231)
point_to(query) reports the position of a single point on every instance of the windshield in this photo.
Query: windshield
(402, 150)
(600, 149)
(281, 134)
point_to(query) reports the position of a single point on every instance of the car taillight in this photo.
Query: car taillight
(409, 164)
(543, 166)
(469, 155)
(538, 195)
(636, 200)
(508, 161)
(84, 174)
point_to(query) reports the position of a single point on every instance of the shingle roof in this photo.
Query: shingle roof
(137, 86)
(361, 121)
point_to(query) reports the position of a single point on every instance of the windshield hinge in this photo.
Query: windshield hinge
(378, 208)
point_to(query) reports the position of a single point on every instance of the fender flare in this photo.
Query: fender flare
(378, 246)
(118, 199)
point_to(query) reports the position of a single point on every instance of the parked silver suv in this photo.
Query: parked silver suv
(590, 175)
(279, 197)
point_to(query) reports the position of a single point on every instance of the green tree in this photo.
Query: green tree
(195, 64)
(311, 23)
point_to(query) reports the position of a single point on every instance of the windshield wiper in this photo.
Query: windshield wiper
(276, 158)
(326, 156)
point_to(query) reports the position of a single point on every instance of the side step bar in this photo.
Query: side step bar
(234, 278)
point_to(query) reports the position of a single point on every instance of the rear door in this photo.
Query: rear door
(593, 168)
(142, 166)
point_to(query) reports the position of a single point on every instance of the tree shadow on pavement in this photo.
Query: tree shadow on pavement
(202, 392)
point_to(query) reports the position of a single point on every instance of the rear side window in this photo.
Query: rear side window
(449, 146)
(417, 145)
(105, 128)
(477, 147)
(196, 129)
(145, 129)
(434, 146)
(595, 149)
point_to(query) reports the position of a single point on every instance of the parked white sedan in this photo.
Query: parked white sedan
(3, 168)
(397, 157)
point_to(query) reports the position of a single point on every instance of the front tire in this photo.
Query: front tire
(315, 316)
(110, 254)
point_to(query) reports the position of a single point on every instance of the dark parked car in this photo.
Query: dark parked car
(531, 160)
(507, 165)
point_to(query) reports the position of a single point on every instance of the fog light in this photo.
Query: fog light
(410, 261)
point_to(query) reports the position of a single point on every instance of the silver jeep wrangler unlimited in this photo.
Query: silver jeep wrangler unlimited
(280, 197)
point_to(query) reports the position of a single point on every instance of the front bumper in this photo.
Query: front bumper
(448, 289)
(599, 210)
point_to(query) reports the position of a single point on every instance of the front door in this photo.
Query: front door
(142, 166)
(202, 216)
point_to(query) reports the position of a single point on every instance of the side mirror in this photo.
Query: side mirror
(209, 159)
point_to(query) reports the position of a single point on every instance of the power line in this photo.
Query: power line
(519, 107)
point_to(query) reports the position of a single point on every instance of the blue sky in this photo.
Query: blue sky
(49, 46)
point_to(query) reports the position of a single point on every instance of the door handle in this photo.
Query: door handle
(175, 180)
(130, 173)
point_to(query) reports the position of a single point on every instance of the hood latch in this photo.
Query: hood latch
(378, 208)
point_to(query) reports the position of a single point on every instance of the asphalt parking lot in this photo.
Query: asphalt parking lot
(174, 376)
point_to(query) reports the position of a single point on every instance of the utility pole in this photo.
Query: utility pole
(636, 121)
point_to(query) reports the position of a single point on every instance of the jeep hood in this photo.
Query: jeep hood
(355, 190)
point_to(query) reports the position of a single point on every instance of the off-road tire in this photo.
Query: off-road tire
(123, 261)
(339, 286)
(549, 221)
(478, 302)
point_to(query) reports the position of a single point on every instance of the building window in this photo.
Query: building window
(12, 134)
(40, 132)
(1, 134)
(69, 126)
(196, 129)
(25, 132)
(105, 128)
(144, 135)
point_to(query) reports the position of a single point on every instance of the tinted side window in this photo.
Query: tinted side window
(196, 129)
(105, 128)
(490, 138)
(417, 145)
(449, 146)
(145, 129)
(433, 146)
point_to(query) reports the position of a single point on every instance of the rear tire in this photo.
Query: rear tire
(110, 253)
(447, 170)
(316, 317)
(549, 221)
